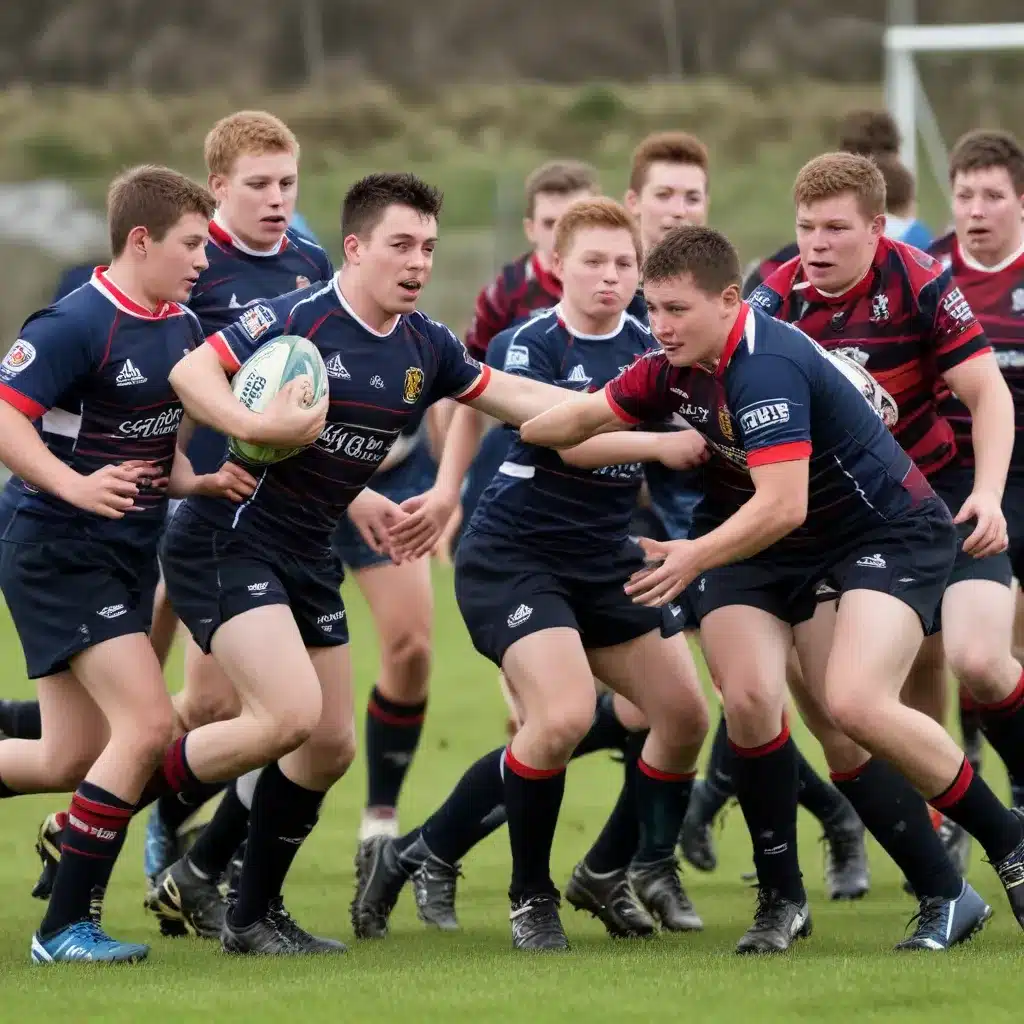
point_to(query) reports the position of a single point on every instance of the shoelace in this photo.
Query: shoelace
(666, 876)
(442, 879)
(928, 916)
(286, 924)
(538, 916)
(768, 911)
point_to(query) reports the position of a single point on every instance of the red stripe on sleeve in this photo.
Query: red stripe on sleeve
(28, 406)
(478, 387)
(792, 451)
(220, 345)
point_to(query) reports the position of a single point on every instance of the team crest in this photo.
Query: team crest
(725, 424)
(19, 355)
(257, 320)
(1017, 300)
(301, 282)
(413, 386)
(879, 309)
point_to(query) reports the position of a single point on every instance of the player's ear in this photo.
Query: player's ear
(557, 263)
(731, 298)
(878, 225)
(632, 202)
(351, 247)
(529, 229)
(216, 184)
(138, 241)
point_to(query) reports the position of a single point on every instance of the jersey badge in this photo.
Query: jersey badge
(413, 385)
(257, 320)
(725, 424)
(1017, 300)
(879, 309)
(19, 356)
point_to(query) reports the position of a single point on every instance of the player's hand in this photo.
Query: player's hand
(290, 420)
(109, 492)
(671, 569)
(230, 481)
(373, 516)
(682, 449)
(989, 536)
(429, 514)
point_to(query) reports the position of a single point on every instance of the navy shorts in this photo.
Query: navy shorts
(506, 591)
(213, 575)
(910, 558)
(414, 475)
(67, 590)
(953, 485)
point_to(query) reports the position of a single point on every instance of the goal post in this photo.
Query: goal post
(905, 95)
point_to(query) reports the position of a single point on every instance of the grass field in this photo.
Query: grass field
(844, 973)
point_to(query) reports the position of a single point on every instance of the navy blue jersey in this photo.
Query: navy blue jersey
(378, 385)
(776, 396)
(536, 498)
(98, 352)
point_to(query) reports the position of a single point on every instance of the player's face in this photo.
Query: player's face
(540, 228)
(396, 258)
(257, 199)
(599, 272)
(691, 326)
(172, 265)
(672, 195)
(837, 242)
(988, 214)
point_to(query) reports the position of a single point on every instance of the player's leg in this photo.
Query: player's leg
(710, 794)
(401, 602)
(925, 688)
(752, 674)
(164, 625)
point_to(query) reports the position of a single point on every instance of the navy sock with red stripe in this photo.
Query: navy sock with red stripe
(392, 736)
(766, 787)
(661, 799)
(971, 804)
(533, 797)
(97, 822)
(1003, 726)
(175, 775)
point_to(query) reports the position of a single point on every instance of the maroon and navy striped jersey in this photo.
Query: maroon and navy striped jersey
(996, 295)
(522, 288)
(905, 321)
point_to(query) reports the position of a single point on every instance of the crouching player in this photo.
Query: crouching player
(806, 487)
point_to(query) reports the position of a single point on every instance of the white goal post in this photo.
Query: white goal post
(905, 96)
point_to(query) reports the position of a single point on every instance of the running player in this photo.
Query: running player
(268, 604)
(800, 459)
(554, 530)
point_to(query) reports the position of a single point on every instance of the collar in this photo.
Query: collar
(736, 333)
(220, 232)
(125, 303)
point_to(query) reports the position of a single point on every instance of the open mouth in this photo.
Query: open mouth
(820, 264)
(411, 288)
(274, 221)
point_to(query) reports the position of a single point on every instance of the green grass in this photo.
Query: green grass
(844, 973)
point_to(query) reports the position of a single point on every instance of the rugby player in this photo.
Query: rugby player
(538, 578)
(268, 604)
(805, 486)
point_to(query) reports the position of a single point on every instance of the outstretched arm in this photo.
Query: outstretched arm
(571, 423)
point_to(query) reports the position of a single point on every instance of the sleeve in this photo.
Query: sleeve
(459, 375)
(765, 297)
(952, 330)
(52, 352)
(255, 327)
(641, 391)
(490, 316)
(771, 399)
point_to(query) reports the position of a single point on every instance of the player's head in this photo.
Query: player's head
(900, 191)
(986, 171)
(159, 224)
(668, 184)
(692, 281)
(253, 161)
(869, 133)
(597, 257)
(840, 216)
(550, 189)
(389, 224)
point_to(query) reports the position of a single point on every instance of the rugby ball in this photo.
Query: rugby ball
(877, 397)
(260, 378)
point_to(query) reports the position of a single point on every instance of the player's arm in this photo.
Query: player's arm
(230, 481)
(679, 450)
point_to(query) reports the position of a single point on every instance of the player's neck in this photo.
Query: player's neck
(127, 279)
(993, 262)
(362, 306)
(854, 281)
(583, 326)
(243, 244)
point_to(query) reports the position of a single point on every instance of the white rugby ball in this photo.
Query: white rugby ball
(877, 397)
(260, 378)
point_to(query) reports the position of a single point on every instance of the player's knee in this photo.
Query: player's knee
(150, 735)
(982, 669)
(682, 722)
(290, 728)
(199, 705)
(405, 660)
(332, 753)
(853, 711)
(749, 703)
(562, 726)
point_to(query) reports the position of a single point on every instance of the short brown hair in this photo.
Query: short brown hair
(666, 148)
(703, 253)
(977, 151)
(560, 178)
(599, 212)
(899, 182)
(367, 201)
(832, 174)
(869, 133)
(247, 131)
(155, 198)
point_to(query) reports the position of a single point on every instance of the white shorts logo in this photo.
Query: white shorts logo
(113, 611)
(520, 615)
(875, 561)
(258, 588)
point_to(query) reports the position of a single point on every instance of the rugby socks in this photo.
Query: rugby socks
(896, 815)
(21, 719)
(459, 823)
(717, 787)
(1003, 726)
(392, 735)
(766, 787)
(606, 732)
(661, 799)
(533, 797)
(93, 835)
(283, 815)
(825, 802)
(224, 833)
(971, 804)
(176, 808)
(175, 776)
(617, 843)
